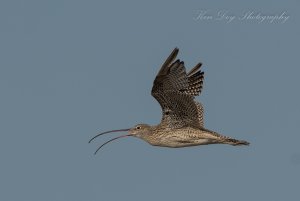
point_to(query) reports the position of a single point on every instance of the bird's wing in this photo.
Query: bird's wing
(174, 89)
(195, 80)
(200, 113)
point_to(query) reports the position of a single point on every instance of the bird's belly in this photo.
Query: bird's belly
(176, 141)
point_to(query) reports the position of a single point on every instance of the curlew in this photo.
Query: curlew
(182, 122)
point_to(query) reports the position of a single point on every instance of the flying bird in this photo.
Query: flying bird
(182, 123)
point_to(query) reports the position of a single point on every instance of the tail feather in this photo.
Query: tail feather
(222, 139)
(235, 142)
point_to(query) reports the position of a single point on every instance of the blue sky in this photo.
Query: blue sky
(72, 69)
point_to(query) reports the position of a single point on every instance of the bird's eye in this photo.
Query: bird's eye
(138, 127)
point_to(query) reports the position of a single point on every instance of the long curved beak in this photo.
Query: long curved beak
(112, 131)
(119, 130)
(111, 141)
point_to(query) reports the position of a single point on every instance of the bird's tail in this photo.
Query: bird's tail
(235, 142)
(222, 139)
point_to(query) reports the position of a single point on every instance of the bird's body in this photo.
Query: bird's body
(182, 123)
(182, 137)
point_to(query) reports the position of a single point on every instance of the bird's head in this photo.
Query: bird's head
(139, 131)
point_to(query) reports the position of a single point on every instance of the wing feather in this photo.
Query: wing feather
(175, 89)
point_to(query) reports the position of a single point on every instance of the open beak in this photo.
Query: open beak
(119, 130)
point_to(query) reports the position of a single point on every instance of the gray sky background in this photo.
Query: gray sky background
(71, 69)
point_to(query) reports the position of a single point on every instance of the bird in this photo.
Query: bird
(182, 123)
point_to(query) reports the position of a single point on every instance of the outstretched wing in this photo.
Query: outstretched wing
(195, 80)
(174, 89)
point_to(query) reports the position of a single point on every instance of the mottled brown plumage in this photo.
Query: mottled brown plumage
(182, 122)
